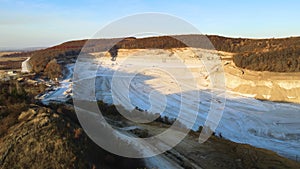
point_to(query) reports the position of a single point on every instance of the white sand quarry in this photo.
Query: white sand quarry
(159, 88)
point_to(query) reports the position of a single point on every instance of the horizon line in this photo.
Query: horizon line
(140, 37)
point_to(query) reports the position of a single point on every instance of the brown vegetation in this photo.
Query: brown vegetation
(6, 65)
(10, 60)
(279, 55)
(53, 69)
(14, 98)
(33, 136)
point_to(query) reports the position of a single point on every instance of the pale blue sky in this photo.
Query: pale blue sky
(46, 23)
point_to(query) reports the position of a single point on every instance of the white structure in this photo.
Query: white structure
(26, 67)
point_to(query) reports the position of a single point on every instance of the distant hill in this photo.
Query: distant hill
(277, 55)
(27, 49)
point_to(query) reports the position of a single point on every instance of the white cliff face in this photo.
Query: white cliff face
(26, 67)
(266, 124)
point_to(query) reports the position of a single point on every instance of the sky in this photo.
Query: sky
(41, 23)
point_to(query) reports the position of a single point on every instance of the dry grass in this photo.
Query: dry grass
(7, 63)
(6, 53)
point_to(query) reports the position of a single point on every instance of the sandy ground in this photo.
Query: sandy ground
(273, 86)
(217, 153)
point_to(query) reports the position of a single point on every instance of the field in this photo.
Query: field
(10, 63)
